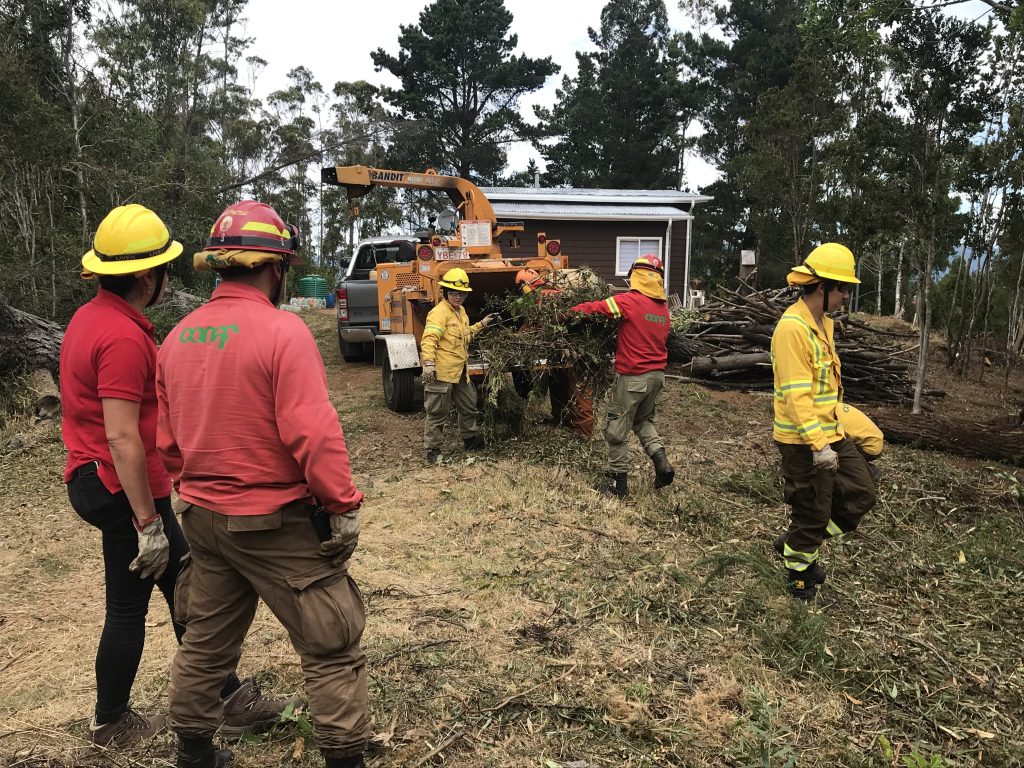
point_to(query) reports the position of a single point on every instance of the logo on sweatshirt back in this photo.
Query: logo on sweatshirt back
(651, 318)
(207, 334)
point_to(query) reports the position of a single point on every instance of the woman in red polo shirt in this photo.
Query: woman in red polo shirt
(116, 481)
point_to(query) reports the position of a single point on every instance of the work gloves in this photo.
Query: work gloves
(491, 318)
(429, 375)
(154, 549)
(344, 537)
(826, 459)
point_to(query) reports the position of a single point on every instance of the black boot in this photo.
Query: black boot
(474, 443)
(800, 586)
(615, 484)
(815, 571)
(352, 761)
(199, 752)
(663, 472)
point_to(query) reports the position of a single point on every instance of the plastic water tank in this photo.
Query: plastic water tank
(313, 286)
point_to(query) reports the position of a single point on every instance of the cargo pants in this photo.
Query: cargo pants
(438, 398)
(632, 409)
(235, 562)
(823, 504)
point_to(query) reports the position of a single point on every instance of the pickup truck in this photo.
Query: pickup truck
(356, 293)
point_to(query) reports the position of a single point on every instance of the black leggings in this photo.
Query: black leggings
(127, 595)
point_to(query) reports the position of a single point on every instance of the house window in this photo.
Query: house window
(629, 249)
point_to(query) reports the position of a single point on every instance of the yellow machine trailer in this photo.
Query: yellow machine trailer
(407, 291)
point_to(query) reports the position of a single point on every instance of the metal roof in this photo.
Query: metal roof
(593, 212)
(572, 194)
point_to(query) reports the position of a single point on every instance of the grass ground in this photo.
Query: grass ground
(516, 618)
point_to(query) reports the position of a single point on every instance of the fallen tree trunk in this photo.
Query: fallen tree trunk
(956, 436)
(704, 366)
(28, 343)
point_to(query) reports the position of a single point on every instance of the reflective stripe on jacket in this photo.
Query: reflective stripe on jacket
(446, 338)
(808, 384)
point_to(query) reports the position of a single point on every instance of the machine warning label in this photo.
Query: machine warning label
(474, 232)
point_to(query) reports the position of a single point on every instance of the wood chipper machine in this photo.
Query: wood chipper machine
(407, 291)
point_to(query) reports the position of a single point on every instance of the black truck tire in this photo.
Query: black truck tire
(350, 353)
(399, 387)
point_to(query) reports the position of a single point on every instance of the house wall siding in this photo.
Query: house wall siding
(593, 244)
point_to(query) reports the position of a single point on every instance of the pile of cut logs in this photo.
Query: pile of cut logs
(729, 345)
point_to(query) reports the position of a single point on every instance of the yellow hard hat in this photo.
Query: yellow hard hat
(130, 239)
(829, 261)
(456, 279)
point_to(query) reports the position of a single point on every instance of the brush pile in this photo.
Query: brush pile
(728, 342)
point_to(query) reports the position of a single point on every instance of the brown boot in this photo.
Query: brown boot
(130, 728)
(247, 710)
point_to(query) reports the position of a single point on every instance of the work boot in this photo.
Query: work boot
(248, 711)
(800, 586)
(199, 752)
(614, 484)
(433, 456)
(474, 443)
(876, 472)
(130, 728)
(352, 761)
(815, 571)
(663, 472)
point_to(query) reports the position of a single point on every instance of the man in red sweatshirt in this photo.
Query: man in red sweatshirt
(641, 354)
(254, 447)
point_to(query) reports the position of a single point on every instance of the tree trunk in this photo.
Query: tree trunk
(704, 366)
(925, 315)
(878, 293)
(27, 342)
(1004, 442)
(898, 305)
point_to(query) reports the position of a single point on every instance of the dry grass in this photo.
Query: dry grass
(516, 618)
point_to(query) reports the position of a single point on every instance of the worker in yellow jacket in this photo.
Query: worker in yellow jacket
(444, 355)
(827, 481)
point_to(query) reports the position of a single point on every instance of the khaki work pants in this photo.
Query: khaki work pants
(438, 399)
(632, 409)
(235, 562)
(823, 504)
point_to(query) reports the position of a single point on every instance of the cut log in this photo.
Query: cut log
(956, 436)
(704, 366)
(28, 343)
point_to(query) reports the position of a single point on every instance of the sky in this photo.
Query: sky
(334, 41)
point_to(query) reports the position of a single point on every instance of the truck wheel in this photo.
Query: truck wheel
(350, 353)
(398, 387)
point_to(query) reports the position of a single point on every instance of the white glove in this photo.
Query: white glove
(488, 319)
(344, 537)
(154, 550)
(429, 375)
(826, 458)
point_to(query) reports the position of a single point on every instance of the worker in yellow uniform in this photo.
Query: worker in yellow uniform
(827, 481)
(444, 355)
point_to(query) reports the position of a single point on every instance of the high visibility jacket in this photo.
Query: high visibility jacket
(862, 430)
(445, 341)
(808, 384)
(641, 345)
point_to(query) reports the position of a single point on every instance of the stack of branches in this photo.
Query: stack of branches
(728, 341)
(538, 333)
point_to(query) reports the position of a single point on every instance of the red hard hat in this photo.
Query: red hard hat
(249, 226)
(651, 262)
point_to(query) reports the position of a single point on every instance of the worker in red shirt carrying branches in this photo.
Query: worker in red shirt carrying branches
(641, 354)
(249, 436)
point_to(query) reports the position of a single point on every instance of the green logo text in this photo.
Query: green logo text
(207, 335)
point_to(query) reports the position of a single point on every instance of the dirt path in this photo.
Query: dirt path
(516, 618)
